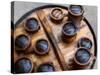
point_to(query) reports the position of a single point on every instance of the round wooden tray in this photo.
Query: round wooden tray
(60, 53)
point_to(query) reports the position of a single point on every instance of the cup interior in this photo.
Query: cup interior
(32, 24)
(46, 67)
(42, 46)
(69, 29)
(23, 65)
(22, 41)
(76, 9)
(85, 42)
(57, 14)
(82, 56)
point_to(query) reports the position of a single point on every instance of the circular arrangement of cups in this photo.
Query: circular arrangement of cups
(45, 67)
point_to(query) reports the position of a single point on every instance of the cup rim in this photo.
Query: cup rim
(48, 63)
(79, 42)
(25, 47)
(41, 53)
(56, 8)
(74, 13)
(74, 27)
(31, 30)
(27, 58)
(82, 64)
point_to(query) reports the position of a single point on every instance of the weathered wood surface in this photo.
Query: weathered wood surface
(65, 51)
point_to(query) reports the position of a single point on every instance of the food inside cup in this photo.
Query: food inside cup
(69, 28)
(85, 42)
(22, 41)
(42, 46)
(82, 56)
(23, 65)
(45, 68)
(76, 9)
(32, 25)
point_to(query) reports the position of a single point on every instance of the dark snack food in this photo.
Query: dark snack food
(69, 32)
(42, 47)
(46, 67)
(69, 29)
(82, 57)
(23, 65)
(32, 25)
(76, 10)
(85, 42)
(22, 42)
